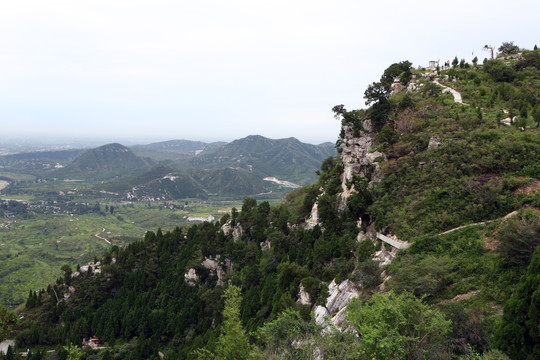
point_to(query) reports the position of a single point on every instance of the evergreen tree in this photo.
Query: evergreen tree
(233, 343)
(519, 333)
(10, 355)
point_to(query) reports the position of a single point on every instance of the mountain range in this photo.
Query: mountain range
(182, 168)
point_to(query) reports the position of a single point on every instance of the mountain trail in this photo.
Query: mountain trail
(455, 93)
(102, 238)
(477, 224)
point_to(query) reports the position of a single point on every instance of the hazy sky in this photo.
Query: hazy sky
(210, 70)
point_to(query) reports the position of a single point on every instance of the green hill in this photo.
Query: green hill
(287, 159)
(104, 162)
(165, 183)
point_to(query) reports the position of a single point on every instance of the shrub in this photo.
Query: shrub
(499, 71)
(519, 236)
(397, 327)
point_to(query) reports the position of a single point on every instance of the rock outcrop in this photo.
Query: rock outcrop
(313, 219)
(385, 257)
(191, 277)
(236, 230)
(339, 296)
(214, 267)
(357, 157)
(303, 296)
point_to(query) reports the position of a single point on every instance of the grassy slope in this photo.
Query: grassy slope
(477, 174)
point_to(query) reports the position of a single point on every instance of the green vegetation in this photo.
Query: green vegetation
(460, 182)
(519, 333)
(7, 320)
(398, 326)
(33, 248)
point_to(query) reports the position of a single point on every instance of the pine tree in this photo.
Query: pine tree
(519, 333)
(9, 353)
(233, 343)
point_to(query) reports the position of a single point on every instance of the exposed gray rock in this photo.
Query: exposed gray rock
(5, 344)
(191, 277)
(320, 313)
(434, 142)
(265, 245)
(303, 296)
(313, 219)
(357, 158)
(414, 86)
(236, 231)
(384, 256)
(397, 87)
(216, 269)
(339, 296)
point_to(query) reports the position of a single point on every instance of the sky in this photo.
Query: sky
(218, 70)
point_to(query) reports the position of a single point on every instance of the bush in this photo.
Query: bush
(519, 236)
(397, 327)
(499, 71)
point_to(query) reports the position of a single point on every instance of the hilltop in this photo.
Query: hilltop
(288, 159)
(421, 233)
(104, 162)
(174, 149)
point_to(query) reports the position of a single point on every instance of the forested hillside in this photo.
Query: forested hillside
(445, 161)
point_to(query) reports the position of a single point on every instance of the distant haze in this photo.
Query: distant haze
(143, 71)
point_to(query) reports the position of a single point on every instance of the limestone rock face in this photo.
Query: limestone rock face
(313, 219)
(339, 296)
(320, 313)
(5, 344)
(303, 296)
(397, 87)
(357, 158)
(215, 269)
(265, 245)
(236, 231)
(384, 256)
(191, 277)
(96, 268)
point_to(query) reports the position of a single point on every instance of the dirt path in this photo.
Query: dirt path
(455, 94)
(478, 223)
(102, 238)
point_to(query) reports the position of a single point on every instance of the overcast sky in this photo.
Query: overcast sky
(136, 71)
